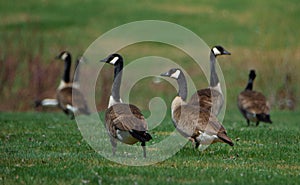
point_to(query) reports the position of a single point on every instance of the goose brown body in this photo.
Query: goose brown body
(209, 99)
(194, 122)
(252, 104)
(127, 118)
(199, 124)
(74, 98)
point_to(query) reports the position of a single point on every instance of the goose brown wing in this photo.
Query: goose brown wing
(207, 99)
(124, 117)
(64, 97)
(189, 119)
(253, 102)
(74, 97)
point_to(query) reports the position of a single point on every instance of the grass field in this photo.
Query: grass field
(47, 148)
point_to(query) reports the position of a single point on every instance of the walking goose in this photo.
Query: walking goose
(194, 123)
(211, 98)
(124, 122)
(252, 104)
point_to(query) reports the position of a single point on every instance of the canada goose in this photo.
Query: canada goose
(194, 123)
(124, 122)
(211, 98)
(66, 91)
(50, 102)
(253, 105)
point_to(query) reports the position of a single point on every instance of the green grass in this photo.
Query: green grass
(47, 148)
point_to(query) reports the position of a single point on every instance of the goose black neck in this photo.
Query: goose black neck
(115, 92)
(66, 76)
(249, 84)
(182, 86)
(214, 80)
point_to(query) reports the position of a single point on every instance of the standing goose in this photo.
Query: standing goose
(124, 122)
(50, 102)
(66, 91)
(194, 123)
(253, 105)
(211, 98)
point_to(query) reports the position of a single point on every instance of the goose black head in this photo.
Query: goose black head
(113, 59)
(64, 55)
(252, 74)
(219, 50)
(172, 73)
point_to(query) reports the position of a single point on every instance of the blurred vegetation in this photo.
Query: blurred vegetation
(260, 34)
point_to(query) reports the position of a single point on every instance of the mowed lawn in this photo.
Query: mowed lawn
(47, 148)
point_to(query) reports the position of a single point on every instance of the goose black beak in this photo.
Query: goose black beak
(165, 74)
(226, 52)
(104, 60)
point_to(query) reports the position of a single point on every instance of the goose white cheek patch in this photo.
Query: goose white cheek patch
(216, 51)
(114, 60)
(64, 56)
(175, 75)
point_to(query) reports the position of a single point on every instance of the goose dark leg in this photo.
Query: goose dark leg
(257, 123)
(72, 115)
(114, 145)
(248, 122)
(144, 148)
(197, 144)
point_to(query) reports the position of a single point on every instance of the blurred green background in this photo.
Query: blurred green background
(260, 34)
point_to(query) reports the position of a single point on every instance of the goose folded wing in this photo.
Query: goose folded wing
(254, 102)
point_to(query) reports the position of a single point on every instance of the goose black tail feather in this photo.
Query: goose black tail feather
(141, 135)
(226, 139)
